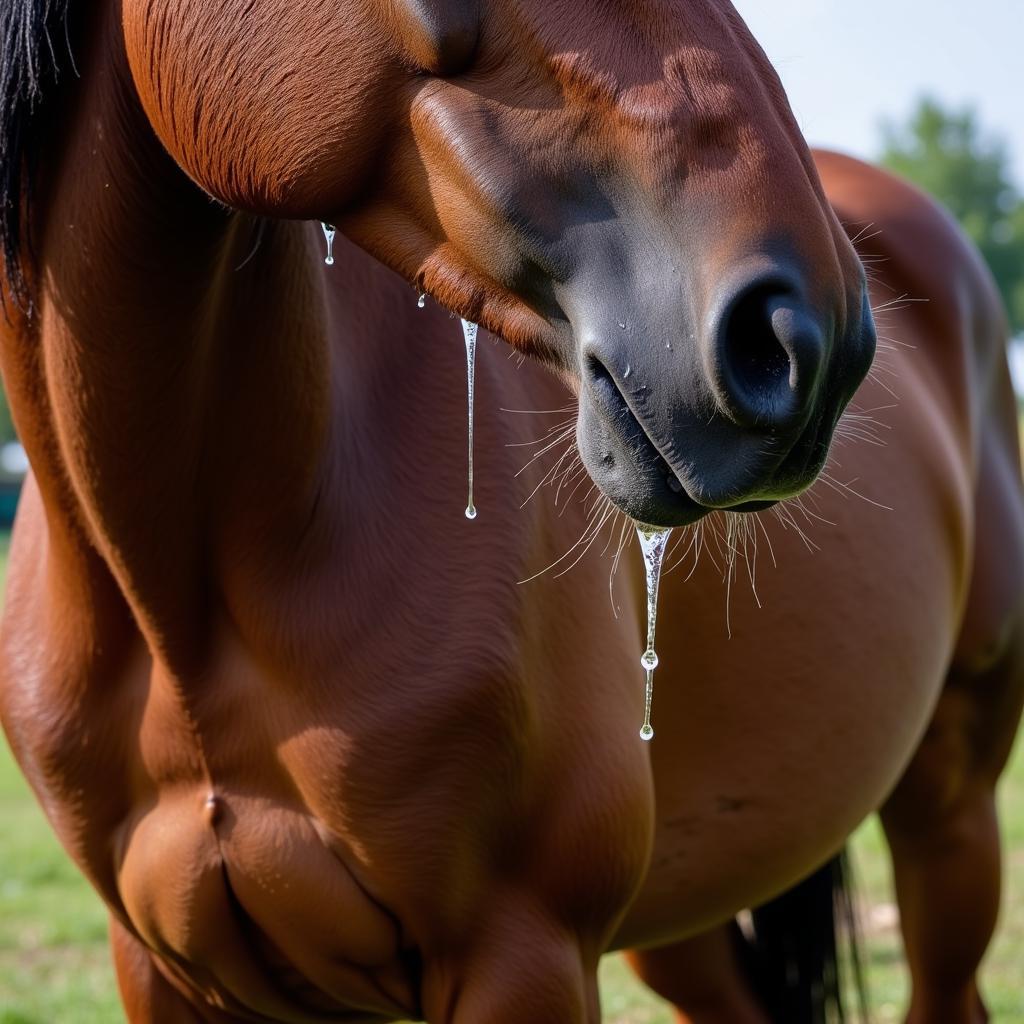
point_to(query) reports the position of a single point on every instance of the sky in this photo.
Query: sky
(847, 64)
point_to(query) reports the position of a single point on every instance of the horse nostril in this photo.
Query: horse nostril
(751, 348)
(768, 355)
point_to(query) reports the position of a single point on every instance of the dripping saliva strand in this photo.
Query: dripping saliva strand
(653, 543)
(469, 332)
(329, 231)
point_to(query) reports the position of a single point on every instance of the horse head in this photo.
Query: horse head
(619, 189)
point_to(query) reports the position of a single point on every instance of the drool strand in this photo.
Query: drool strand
(469, 331)
(653, 543)
(329, 232)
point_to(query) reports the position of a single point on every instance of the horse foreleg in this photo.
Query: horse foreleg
(148, 997)
(944, 837)
(520, 966)
(702, 978)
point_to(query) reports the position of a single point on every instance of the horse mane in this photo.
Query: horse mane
(28, 66)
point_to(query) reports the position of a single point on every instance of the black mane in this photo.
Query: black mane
(28, 64)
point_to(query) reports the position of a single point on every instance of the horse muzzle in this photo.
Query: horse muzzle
(737, 418)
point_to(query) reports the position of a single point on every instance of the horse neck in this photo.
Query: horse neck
(177, 362)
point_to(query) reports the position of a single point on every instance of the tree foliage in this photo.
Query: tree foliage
(948, 154)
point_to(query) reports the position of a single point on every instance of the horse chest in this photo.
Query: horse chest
(360, 805)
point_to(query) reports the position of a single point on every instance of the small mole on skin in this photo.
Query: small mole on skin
(731, 804)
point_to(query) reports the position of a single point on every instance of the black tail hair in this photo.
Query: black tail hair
(792, 959)
(28, 65)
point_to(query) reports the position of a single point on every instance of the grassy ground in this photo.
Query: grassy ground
(54, 966)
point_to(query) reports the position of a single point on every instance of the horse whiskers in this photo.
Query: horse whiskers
(582, 478)
(557, 428)
(599, 499)
(687, 532)
(750, 538)
(615, 515)
(539, 412)
(863, 236)
(873, 376)
(785, 516)
(896, 341)
(598, 515)
(625, 537)
(863, 422)
(698, 537)
(603, 510)
(735, 536)
(849, 432)
(812, 516)
(730, 573)
(554, 443)
(575, 469)
(767, 538)
(881, 366)
(548, 477)
(846, 489)
(856, 410)
(895, 305)
(590, 490)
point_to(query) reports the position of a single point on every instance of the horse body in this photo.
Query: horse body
(853, 639)
(292, 714)
(298, 665)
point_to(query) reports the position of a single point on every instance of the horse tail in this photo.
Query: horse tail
(792, 959)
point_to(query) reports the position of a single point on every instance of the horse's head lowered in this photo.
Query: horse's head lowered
(615, 186)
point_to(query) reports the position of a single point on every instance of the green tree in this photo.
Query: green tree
(948, 154)
(6, 426)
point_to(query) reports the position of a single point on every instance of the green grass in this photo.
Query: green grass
(55, 968)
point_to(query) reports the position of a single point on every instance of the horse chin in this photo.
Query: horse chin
(632, 472)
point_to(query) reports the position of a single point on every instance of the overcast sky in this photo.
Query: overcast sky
(848, 63)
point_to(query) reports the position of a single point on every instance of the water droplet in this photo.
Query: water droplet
(329, 233)
(469, 332)
(422, 300)
(674, 485)
(629, 370)
(213, 809)
(653, 543)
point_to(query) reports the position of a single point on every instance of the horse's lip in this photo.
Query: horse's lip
(604, 372)
(684, 494)
(803, 453)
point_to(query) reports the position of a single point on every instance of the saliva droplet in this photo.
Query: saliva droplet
(469, 332)
(329, 232)
(653, 543)
(422, 300)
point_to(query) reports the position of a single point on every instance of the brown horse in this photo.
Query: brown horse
(286, 708)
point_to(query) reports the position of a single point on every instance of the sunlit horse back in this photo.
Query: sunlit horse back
(289, 710)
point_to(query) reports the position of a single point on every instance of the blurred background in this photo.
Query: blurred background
(932, 89)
